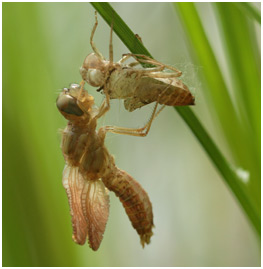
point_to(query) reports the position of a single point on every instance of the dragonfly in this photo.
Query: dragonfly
(90, 172)
(136, 86)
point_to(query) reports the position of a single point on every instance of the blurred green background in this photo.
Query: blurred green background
(198, 222)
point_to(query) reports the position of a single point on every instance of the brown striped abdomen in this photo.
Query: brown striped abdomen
(135, 201)
(176, 93)
(165, 91)
(179, 97)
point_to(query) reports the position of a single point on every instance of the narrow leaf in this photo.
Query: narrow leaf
(133, 44)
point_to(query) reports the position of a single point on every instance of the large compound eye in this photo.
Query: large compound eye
(68, 104)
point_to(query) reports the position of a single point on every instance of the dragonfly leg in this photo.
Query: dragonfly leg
(139, 38)
(151, 70)
(135, 131)
(105, 106)
(91, 38)
(133, 64)
(145, 59)
(125, 58)
(111, 46)
(162, 75)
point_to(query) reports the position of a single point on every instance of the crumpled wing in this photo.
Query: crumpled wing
(96, 210)
(89, 206)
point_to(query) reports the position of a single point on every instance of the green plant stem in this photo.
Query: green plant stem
(220, 163)
(135, 46)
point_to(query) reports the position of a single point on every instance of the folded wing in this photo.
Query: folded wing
(89, 206)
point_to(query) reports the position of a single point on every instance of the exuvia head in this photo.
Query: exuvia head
(94, 69)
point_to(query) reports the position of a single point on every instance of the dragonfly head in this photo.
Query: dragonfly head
(69, 101)
(93, 70)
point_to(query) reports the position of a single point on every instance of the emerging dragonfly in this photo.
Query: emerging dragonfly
(90, 170)
(137, 86)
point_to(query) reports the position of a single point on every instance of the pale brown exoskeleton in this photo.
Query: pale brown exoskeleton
(90, 172)
(137, 86)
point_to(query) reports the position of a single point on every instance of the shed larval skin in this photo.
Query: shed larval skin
(136, 86)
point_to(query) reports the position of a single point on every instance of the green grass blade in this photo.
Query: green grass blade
(217, 92)
(221, 164)
(244, 144)
(224, 105)
(243, 59)
(250, 10)
(244, 69)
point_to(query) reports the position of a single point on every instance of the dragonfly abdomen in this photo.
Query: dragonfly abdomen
(135, 201)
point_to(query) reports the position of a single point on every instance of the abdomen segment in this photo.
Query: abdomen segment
(135, 201)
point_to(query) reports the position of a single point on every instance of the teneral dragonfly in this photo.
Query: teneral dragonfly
(137, 86)
(90, 171)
